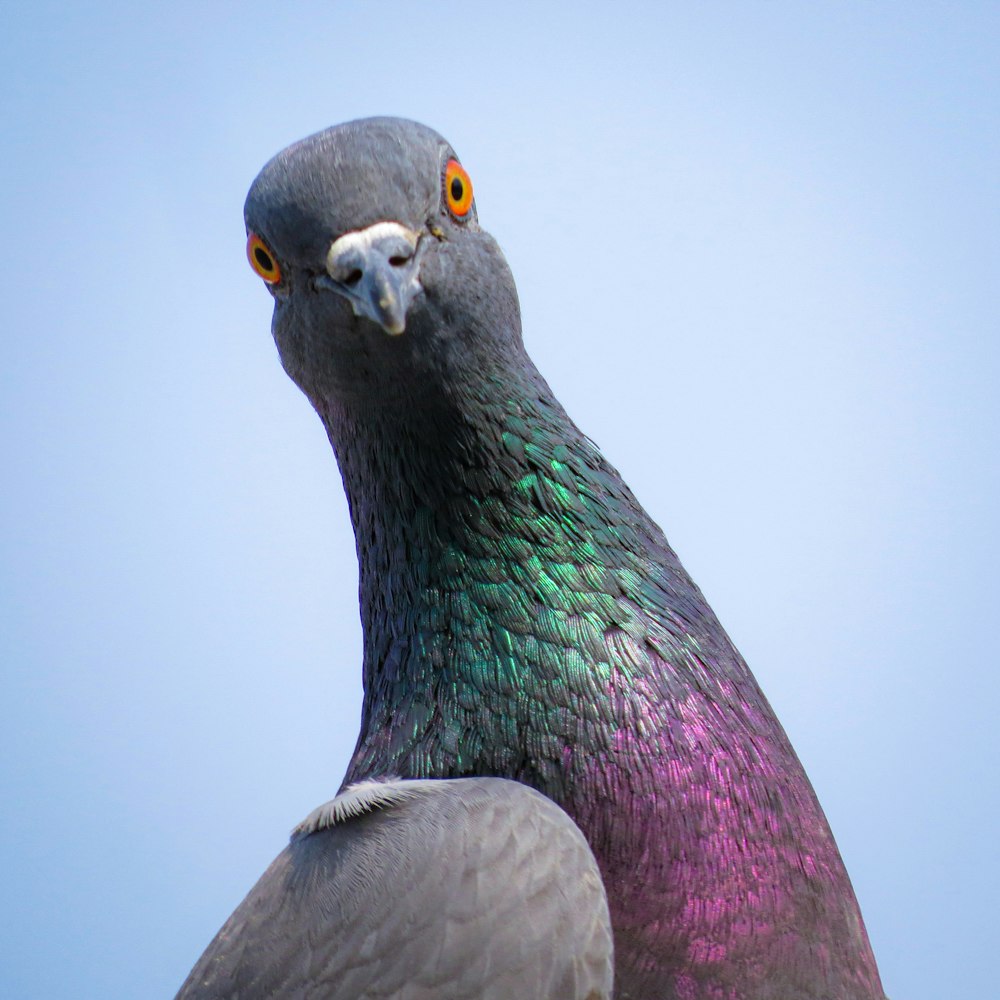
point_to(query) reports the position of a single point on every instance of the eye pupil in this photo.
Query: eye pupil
(263, 259)
(457, 188)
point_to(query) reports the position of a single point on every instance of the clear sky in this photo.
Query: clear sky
(758, 251)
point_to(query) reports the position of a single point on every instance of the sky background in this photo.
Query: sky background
(758, 252)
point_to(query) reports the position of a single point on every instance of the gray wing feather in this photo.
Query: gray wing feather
(464, 889)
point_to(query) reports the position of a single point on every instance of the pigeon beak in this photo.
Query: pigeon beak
(376, 270)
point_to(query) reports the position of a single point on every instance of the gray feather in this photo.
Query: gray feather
(468, 889)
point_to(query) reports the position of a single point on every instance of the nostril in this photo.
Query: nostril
(353, 277)
(398, 260)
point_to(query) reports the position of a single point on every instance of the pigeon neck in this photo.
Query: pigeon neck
(476, 515)
(524, 618)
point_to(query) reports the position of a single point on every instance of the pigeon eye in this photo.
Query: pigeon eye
(262, 260)
(457, 189)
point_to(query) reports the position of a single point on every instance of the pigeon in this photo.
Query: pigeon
(527, 628)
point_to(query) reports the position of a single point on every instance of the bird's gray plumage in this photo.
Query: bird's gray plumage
(470, 889)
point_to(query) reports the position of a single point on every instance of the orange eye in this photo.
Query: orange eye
(457, 189)
(262, 260)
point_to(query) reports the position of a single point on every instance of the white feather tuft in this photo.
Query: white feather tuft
(356, 800)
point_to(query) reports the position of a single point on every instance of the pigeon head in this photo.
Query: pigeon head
(384, 285)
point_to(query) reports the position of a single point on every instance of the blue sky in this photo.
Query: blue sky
(757, 247)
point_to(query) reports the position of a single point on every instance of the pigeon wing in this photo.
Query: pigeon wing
(476, 888)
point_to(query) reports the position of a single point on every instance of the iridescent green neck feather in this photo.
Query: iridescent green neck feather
(497, 572)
